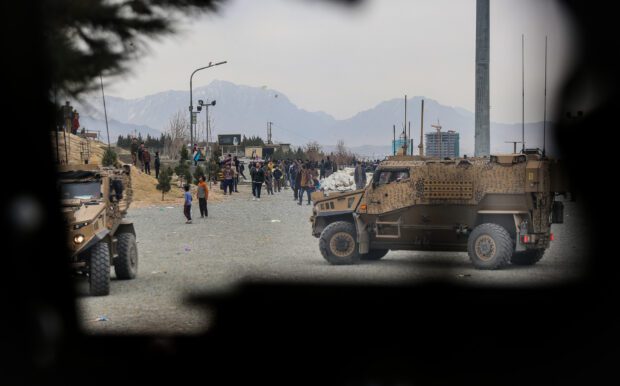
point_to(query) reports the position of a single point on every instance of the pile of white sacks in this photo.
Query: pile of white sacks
(341, 181)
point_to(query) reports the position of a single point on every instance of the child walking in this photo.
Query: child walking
(187, 207)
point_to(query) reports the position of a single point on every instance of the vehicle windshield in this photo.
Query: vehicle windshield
(387, 176)
(81, 190)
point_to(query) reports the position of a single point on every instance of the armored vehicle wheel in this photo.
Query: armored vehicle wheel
(489, 246)
(375, 254)
(528, 257)
(99, 272)
(126, 264)
(338, 245)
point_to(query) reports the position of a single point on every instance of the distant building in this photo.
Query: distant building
(267, 150)
(397, 144)
(442, 144)
(229, 143)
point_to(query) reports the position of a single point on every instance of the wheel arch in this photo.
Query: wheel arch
(324, 219)
(125, 227)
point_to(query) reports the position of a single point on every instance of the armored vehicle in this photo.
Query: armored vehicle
(94, 203)
(499, 209)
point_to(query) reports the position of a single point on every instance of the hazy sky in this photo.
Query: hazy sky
(344, 60)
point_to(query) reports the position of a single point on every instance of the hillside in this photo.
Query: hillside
(144, 186)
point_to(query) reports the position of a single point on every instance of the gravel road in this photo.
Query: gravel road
(271, 240)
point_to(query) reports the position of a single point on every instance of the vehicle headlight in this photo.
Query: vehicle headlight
(78, 239)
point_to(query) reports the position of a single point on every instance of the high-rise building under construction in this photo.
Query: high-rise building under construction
(442, 144)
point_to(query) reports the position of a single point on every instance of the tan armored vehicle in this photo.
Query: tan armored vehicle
(94, 202)
(499, 209)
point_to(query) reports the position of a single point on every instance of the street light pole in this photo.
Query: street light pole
(206, 105)
(191, 103)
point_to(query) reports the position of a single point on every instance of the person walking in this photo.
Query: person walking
(140, 152)
(359, 175)
(328, 167)
(268, 180)
(146, 160)
(228, 178)
(277, 179)
(187, 205)
(203, 195)
(258, 177)
(306, 183)
(292, 173)
(252, 172)
(157, 164)
(235, 180)
(241, 169)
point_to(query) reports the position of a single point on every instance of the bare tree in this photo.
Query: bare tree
(178, 130)
(343, 155)
(313, 151)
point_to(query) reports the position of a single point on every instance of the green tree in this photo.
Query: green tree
(184, 153)
(182, 170)
(164, 181)
(109, 158)
(187, 177)
(199, 172)
(213, 165)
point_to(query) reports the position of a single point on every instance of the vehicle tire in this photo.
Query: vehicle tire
(375, 254)
(126, 264)
(338, 243)
(99, 271)
(527, 257)
(489, 246)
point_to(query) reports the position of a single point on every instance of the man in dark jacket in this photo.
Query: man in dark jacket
(293, 169)
(258, 177)
(140, 151)
(328, 167)
(277, 178)
(146, 160)
(157, 164)
(359, 175)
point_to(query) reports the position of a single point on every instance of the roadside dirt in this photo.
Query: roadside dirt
(145, 193)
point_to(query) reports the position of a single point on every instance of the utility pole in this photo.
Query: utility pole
(191, 102)
(410, 139)
(269, 133)
(421, 145)
(394, 141)
(482, 124)
(105, 111)
(522, 94)
(545, 107)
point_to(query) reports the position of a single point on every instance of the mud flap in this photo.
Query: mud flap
(363, 239)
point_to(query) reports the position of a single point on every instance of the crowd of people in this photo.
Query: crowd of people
(141, 157)
(277, 175)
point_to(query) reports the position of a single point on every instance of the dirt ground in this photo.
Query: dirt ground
(145, 193)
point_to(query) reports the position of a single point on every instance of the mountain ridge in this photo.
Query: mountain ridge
(247, 109)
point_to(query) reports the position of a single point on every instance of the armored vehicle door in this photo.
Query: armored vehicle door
(390, 190)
